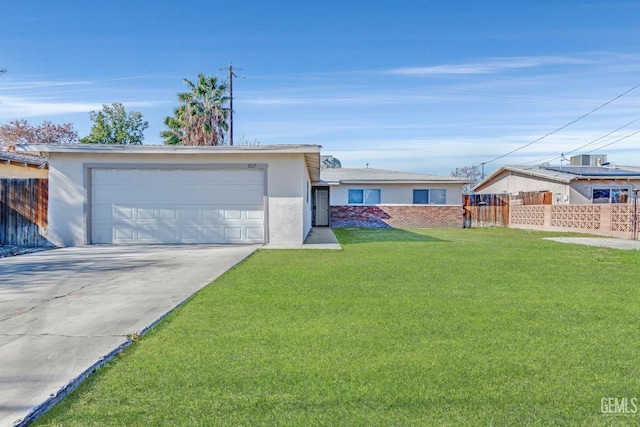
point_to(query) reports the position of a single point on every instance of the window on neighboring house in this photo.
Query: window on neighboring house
(609, 195)
(364, 197)
(430, 197)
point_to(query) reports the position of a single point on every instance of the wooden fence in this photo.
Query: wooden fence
(535, 198)
(536, 211)
(23, 211)
(486, 210)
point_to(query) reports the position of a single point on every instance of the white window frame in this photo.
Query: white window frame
(611, 190)
(365, 199)
(429, 192)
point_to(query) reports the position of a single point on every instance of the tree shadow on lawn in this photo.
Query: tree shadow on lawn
(351, 235)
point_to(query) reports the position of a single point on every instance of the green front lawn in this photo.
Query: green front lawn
(402, 327)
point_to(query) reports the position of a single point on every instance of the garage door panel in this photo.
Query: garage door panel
(190, 213)
(232, 214)
(232, 233)
(212, 233)
(255, 214)
(177, 206)
(122, 232)
(146, 213)
(255, 233)
(167, 213)
(189, 234)
(122, 212)
(210, 214)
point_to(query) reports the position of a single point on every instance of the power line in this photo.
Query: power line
(617, 140)
(564, 126)
(603, 136)
(549, 159)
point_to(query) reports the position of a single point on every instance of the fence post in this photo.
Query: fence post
(634, 218)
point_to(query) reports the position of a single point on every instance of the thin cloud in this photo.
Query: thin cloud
(25, 107)
(337, 99)
(42, 84)
(39, 84)
(13, 107)
(490, 66)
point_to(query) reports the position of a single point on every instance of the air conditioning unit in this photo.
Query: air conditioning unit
(588, 160)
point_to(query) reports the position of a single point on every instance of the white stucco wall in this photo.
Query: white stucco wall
(391, 194)
(287, 173)
(514, 184)
(583, 189)
(68, 202)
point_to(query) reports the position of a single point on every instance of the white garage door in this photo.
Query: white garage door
(177, 206)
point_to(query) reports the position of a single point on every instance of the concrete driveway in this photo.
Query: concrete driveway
(62, 311)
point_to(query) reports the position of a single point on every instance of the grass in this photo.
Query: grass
(402, 327)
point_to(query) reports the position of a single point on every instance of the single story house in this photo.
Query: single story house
(18, 165)
(383, 198)
(155, 194)
(568, 184)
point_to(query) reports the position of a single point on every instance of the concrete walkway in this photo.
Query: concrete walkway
(65, 311)
(605, 242)
(318, 238)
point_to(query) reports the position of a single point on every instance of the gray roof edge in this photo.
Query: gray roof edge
(548, 174)
(29, 159)
(518, 169)
(403, 181)
(384, 176)
(117, 148)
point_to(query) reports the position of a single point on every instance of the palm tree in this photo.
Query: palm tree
(202, 117)
(174, 133)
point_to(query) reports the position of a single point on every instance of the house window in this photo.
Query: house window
(609, 195)
(430, 197)
(364, 197)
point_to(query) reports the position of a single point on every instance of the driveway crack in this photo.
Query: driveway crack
(47, 300)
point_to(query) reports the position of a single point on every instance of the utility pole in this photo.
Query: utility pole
(231, 76)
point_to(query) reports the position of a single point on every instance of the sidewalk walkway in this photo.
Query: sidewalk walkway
(318, 238)
(604, 242)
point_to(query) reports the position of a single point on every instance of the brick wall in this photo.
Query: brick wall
(397, 216)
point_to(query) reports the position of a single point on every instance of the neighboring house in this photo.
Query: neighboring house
(384, 198)
(17, 165)
(572, 184)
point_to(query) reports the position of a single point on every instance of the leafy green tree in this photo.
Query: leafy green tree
(202, 116)
(114, 125)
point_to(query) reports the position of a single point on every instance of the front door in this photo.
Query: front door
(322, 207)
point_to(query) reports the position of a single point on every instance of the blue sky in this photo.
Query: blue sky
(422, 86)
